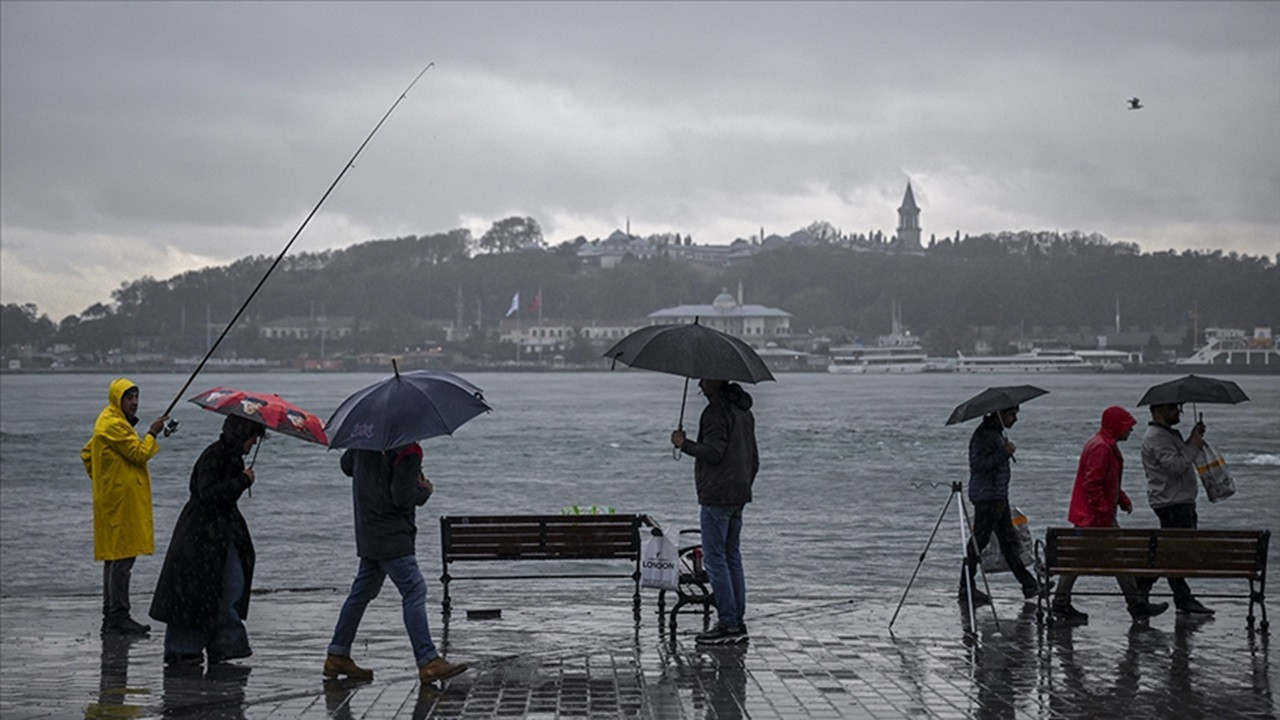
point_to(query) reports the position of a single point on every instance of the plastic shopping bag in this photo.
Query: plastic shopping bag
(1212, 468)
(659, 564)
(993, 559)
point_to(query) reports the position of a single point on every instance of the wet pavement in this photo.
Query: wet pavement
(549, 655)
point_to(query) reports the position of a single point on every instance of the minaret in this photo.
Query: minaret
(908, 222)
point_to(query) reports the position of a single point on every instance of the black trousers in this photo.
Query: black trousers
(993, 516)
(1174, 516)
(116, 575)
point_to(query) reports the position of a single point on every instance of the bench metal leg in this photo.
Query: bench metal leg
(445, 605)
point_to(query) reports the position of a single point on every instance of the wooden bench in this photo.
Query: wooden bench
(1152, 553)
(491, 538)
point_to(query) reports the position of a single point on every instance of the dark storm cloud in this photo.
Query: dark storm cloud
(151, 138)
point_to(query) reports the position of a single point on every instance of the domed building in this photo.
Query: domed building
(755, 324)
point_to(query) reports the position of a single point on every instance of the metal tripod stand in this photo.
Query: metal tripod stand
(956, 490)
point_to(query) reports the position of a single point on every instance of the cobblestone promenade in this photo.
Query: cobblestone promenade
(550, 655)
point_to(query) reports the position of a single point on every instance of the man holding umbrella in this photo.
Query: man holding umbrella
(1172, 486)
(990, 451)
(726, 461)
(380, 425)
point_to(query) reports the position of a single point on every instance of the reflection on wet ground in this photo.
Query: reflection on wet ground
(553, 654)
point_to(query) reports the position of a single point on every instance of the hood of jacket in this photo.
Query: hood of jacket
(236, 430)
(1116, 421)
(736, 396)
(115, 394)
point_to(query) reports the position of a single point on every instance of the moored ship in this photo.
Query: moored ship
(1034, 361)
(1229, 351)
(897, 352)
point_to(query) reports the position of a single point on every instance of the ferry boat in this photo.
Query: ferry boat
(897, 352)
(1230, 351)
(1036, 360)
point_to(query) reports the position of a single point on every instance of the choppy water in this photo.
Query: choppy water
(845, 499)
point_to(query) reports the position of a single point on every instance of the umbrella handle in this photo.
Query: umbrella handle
(684, 397)
(253, 460)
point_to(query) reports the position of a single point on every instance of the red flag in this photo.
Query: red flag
(536, 304)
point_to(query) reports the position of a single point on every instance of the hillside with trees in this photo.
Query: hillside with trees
(398, 291)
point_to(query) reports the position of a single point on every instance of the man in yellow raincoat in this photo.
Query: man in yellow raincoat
(116, 460)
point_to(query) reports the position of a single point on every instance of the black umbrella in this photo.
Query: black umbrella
(403, 409)
(692, 351)
(992, 400)
(1194, 389)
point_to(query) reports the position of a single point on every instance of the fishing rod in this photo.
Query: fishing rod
(173, 424)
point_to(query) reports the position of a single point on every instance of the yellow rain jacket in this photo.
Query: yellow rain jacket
(116, 460)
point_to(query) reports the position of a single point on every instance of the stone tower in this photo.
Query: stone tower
(909, 222)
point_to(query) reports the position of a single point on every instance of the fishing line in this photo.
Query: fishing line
(173, 424)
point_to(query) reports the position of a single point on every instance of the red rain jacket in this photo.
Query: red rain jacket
(1097, 492)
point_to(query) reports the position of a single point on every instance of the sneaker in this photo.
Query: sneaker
(1032, 591)
(124, 626)
(1194, 607)
(721, 634)
(1069, 613)
(335, 665)
(183, 660)
(439, 669)
(1146, 611)
(221, 659)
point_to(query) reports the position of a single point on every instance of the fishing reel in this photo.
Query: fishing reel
(171, 427)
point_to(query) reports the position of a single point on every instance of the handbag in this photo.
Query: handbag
(659, 564)
(993, 559)
(1212, 468)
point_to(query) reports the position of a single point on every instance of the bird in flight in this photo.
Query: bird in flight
(1135, 104)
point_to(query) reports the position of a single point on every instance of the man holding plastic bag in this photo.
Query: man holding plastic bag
(1094, 500)
(1172, 485)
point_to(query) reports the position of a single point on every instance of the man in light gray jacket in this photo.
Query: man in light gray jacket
(1172, 486)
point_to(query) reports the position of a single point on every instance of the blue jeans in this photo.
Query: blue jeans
(722, 559)
(228, 639)
(404, 572)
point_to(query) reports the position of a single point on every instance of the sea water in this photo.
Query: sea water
(856, 471)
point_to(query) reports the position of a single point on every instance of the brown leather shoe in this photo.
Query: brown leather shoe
(335, 665)
(439, 669)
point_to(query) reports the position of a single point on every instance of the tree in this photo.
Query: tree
(512, 233)
(23, 325)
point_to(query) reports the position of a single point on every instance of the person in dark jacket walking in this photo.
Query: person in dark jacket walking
(203, 590)
(726, 461)
(387, 487)
(990, 451)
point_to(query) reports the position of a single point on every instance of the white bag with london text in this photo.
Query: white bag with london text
(659, 564)
(1212, 468)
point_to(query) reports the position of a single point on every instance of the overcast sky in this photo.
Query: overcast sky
(154, 138)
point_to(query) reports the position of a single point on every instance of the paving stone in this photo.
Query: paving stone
(567, 654)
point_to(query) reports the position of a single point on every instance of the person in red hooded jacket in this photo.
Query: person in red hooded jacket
(1094, 500)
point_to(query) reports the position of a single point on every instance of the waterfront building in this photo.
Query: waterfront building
(307, 328)
(755, 324)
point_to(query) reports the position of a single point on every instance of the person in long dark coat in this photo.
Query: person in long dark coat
(203, 591)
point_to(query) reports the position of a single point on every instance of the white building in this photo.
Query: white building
(755, 324)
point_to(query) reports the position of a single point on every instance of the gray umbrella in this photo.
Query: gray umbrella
(692, 351)
(403, 409)
(1194, 389)
(994, 399)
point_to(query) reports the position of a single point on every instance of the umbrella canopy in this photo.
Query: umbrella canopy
(692, 351)
(269, 409)
(994, 399)
(1194, 389)
(403, 409)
